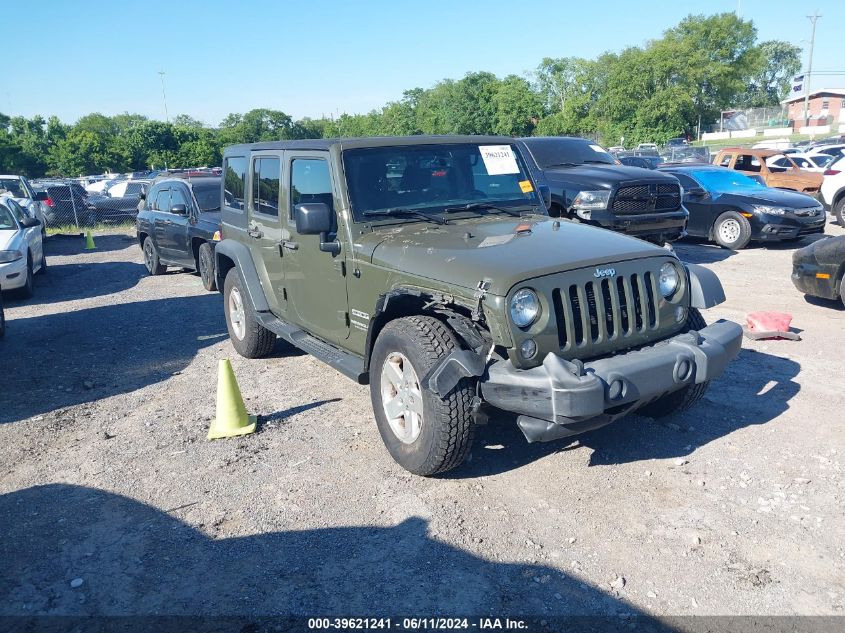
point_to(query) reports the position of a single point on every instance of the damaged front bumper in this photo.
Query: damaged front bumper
(561, 398)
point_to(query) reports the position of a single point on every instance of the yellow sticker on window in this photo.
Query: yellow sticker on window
(525, 185)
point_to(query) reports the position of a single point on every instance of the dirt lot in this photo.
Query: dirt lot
(113, 502)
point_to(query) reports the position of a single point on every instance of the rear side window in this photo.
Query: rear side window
(265, 185)
(234, 179)
(726, 160)
(310, 182)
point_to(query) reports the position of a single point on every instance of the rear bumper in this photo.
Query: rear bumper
(560, 398)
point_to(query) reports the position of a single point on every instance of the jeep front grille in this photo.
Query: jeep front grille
(605, 310)
(654, 198)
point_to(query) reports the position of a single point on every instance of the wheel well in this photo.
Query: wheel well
(141, 238)
(223, 265)
(839, 195)
(408, 304)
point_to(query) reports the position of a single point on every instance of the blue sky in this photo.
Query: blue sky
(323, 57)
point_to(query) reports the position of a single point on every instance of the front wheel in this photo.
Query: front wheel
(839, 211)
(424, 433)
(686, 397)
(249, 338)
(205, 265)
(28, 288)
(732, 231)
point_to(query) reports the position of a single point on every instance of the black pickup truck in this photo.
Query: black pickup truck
(589, 185)
(179, 225)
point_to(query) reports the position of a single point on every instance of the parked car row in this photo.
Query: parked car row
(21, 248)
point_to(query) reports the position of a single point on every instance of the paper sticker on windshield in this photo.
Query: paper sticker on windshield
(498, 159)
(598, 148)
(525, 185)
(496, 240)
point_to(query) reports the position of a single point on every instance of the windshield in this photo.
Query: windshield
(208, 195)
(550, 152)
(7, 222)
(13, 186)
(724, 181)
(435, 177)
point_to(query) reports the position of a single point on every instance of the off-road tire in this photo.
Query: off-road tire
(447, 426)
(205, 266)
(839, 211)
(685, 398)
(28, 289)
(257, 341)
(743, 237)
(842, 290)
(151, 259)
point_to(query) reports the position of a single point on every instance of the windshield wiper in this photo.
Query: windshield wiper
(598, 162)
(471, 206)
(561, 165)
(398, 211)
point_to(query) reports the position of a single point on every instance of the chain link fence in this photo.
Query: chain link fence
(66, 204)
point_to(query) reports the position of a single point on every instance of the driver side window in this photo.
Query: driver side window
(162, 201)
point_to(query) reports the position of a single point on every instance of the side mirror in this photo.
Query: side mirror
(546, 195)
(29, 223)
(142, 195)
(316, 218)
(697, 192)
(179, 209)
(41, 196)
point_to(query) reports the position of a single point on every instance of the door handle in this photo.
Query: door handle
(291, 246)
(255, 232)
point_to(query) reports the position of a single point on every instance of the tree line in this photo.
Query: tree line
(652, 93)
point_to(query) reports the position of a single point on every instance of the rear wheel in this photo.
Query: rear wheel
(424, 433)
(249, 338)
(151, 260)
(682, 399)
(205, 266)
(732, 231)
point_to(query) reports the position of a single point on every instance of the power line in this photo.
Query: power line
(813, 19)
(164, 96)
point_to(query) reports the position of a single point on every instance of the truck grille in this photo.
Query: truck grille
(653, 198)
(605, 310)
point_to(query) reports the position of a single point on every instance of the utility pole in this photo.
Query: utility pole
(164, 96)
(809, 76)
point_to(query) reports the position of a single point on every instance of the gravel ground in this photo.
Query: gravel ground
(113, 502)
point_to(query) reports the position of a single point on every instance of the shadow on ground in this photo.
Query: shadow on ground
(135, 559)
(755, 389)
(67, 282)
(65, 244)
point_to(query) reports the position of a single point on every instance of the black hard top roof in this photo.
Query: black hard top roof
(367, 141)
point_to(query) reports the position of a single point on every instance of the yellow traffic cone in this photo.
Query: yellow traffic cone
(89, 241)
(232, 418)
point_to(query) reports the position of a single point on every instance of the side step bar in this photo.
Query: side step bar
(347, 364)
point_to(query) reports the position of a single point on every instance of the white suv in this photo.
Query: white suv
(833, 189)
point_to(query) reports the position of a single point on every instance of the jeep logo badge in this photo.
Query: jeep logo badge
(604, 272)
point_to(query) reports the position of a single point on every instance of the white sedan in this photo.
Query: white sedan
(21, 248)
(807, 162)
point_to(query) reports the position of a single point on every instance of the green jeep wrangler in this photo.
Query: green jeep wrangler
(428, 268)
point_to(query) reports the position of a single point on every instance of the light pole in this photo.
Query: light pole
(164, 96)
(813, 19)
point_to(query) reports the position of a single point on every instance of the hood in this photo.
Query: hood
(605, 176)
(9, 240)
(464, 252)
(828, 250)
(769, 195)
(210, 218)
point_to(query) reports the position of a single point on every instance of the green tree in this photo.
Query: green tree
(517, 107)
(770, 85)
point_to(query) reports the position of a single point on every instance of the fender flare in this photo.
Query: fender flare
(239, 254)
(705, 288)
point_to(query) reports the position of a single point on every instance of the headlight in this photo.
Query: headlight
(763, 208)
(525, 307)
(669, 279)
(10, 256)
(591, 200)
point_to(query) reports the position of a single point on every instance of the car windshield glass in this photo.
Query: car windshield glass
(13, 186)
(725, 181)
(435, 177)
(568, 151)
(208, 195)
(7, 222)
